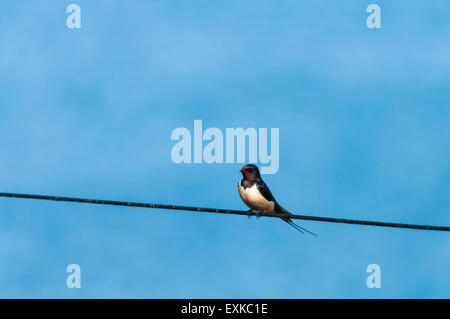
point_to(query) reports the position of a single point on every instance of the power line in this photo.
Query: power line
(222, 211)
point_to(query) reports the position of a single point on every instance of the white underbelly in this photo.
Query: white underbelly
(254, 200)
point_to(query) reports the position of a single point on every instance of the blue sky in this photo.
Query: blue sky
(364, 129)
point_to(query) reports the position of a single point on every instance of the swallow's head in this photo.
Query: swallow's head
(250, 172)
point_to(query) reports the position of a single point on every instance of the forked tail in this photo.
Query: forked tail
(282, 210)
(299, 228)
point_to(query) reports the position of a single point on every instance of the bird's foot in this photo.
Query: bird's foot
(256, 212)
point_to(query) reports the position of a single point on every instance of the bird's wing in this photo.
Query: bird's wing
(265, 191)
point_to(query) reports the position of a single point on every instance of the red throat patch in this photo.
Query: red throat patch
(249, 176)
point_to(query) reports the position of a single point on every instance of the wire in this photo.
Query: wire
(223, 211)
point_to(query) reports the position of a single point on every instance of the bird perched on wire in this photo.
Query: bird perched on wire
(257, 196)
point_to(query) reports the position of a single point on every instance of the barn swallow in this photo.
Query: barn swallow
(257, 196)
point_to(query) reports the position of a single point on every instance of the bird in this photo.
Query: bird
(258, 197)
